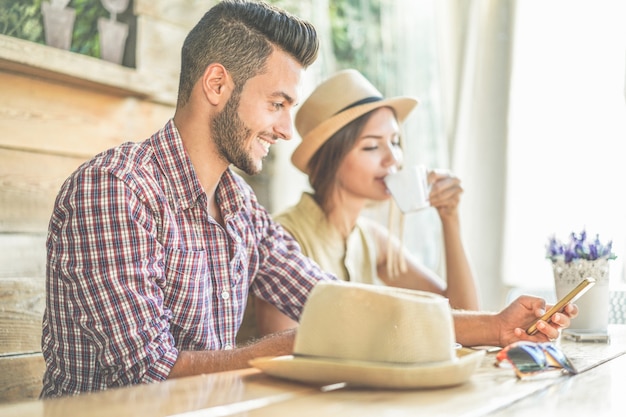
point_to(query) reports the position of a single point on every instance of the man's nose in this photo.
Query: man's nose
(284, 127)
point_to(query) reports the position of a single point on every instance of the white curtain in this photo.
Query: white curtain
(412, 47)
(475, 52)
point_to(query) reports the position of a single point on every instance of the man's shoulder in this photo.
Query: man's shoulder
(124, 158)
(129, 159)
(127, 163)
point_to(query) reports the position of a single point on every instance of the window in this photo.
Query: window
(567, 132)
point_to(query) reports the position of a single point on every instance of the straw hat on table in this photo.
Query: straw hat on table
(374, 336)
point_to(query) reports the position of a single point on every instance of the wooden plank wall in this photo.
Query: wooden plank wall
(57, 109)
(48, 129)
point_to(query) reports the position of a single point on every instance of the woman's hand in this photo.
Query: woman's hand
(445, 192)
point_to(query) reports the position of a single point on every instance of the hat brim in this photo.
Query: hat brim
(313, 140)
(324, 371)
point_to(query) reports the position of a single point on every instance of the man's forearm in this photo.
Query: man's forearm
(208, 361)
(474, 328)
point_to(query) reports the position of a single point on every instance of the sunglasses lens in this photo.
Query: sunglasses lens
(558, 358)
(527, 358)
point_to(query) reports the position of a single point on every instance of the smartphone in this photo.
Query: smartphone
(572, 296)
(583, 336)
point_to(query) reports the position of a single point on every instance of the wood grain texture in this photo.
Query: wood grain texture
(58, 109)
(46, 117)
(21, 378)
(161, 55)
(248, 392)
(29, 183)
(22, 302)
(22, 255)
(180, 13)
(21, 56)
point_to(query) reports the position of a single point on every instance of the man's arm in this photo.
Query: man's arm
(508, 326)
(202, 362)
(106, 274)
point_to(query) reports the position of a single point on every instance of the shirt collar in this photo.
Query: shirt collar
(177, 167)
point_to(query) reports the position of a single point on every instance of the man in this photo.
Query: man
(153, 246)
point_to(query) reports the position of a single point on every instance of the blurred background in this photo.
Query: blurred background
(523, 100)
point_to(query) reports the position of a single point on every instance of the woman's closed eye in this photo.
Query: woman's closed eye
(373, 147)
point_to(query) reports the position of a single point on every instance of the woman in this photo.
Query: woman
(350, 142)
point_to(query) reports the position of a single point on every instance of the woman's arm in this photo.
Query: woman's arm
(460, 285)
(269, 319)
(445, 196)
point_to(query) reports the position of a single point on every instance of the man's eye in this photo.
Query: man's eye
(277, 106)
(370, 148)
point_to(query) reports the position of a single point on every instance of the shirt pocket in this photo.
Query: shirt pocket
(187, 294)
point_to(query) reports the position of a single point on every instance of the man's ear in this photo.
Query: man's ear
(214, 84)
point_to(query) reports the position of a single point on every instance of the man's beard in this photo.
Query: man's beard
(230, 133)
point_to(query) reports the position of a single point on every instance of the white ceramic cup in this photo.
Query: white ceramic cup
(409, 188)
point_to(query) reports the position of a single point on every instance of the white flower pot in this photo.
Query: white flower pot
(58, 24)
(113, 36)
(594, 304)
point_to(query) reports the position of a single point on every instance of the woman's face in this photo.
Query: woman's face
(376, 153)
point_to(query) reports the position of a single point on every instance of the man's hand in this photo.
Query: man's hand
(522, 312)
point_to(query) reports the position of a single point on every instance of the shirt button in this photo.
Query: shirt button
(225, 295)
(228, 347)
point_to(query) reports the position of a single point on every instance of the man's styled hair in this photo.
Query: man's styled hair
(241, 35)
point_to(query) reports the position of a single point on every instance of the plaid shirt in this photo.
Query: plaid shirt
(138, 269)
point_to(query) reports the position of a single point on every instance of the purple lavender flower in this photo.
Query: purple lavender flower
(578, 248)
(607, 251)
(554, 247)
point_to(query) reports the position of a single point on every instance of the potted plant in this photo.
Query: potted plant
(572, 261)
(58, 23)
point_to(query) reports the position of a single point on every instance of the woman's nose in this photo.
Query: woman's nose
(394, 156)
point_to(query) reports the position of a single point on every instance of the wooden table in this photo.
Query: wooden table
(493, 391)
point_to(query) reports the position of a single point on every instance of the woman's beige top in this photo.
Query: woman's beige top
(351, 260)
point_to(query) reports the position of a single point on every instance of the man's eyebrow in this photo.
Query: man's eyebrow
(283, 95)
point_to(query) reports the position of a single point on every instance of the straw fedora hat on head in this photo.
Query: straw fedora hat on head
(374, 336)
(336, 102)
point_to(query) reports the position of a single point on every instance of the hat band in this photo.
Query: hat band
(366, 100)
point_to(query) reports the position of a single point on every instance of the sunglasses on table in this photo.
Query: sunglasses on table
(529, 358)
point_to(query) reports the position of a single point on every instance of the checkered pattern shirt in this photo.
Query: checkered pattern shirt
(138, 269)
